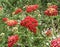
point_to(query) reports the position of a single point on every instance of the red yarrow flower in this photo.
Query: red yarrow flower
(19, 10)
(48, 32)
(5, 19)
(12, 40)
(54, 6)
(11, 22)
(31, 8)
(55, 42)
(51, 12)
(30, 23)
(32, 28)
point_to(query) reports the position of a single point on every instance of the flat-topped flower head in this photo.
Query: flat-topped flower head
(31, 8)
(4, 19)
(55, 42)
(54, 6)
(17, 11)
(51, 12)
(48, 32)
(11, 22)
(12, 40)
(30, 22)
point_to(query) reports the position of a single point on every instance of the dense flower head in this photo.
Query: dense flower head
(51, 12)
(12, 40)
(48, 32)
(11, 22)
(31, 8)
(55, 42)
(54, 6)
(4, 19)
(19, 10)
(30, 23)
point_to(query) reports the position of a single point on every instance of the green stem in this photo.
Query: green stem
(54, 34)
(9, 3)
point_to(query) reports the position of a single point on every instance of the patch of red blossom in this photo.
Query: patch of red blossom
(4, 19)
(1, 7)
(48, 32)
(54, 6)
(17, 11)
(31, 8)
(11, 22)
(30, 23)
(51, 12)
(12, 40)
(55, 42)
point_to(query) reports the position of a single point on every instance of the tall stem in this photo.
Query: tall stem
(53, 27)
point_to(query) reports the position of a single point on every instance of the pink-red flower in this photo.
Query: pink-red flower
(54, 6)
(31, 8)
(55, 42)
(48, 32)
(4, 19)
(30, 23)
(12, 40)
(51, 12)
(19, 10)
(11, 22)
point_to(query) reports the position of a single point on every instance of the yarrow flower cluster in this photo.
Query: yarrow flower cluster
(51, 11)
(12, 40)
(4, 19)
(48, 32)
(10, 22)
(53, 6)
(30, 23)
(31, 8)
(55, 42)
(17, 11)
